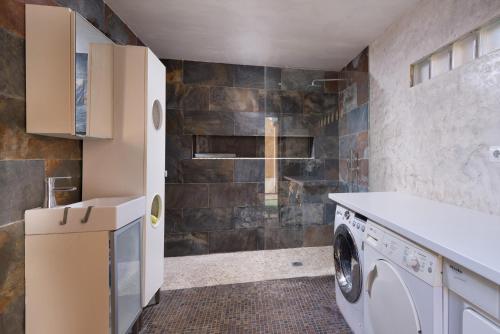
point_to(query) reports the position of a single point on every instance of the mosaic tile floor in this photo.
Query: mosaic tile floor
(296, 305)
(242, 267)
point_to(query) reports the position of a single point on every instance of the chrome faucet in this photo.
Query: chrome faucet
(51, 189)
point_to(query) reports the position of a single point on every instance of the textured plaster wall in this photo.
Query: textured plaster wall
(432, 140)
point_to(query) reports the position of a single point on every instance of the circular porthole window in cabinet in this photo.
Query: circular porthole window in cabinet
(157, 114)
(156, 211)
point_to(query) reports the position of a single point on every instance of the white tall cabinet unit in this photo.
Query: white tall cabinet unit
(133, 162)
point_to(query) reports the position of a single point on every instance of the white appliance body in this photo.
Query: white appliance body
(348, 255)
(403, 291)
(133, 162)
(472, 303)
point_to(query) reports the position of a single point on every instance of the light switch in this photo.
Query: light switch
(495, 153)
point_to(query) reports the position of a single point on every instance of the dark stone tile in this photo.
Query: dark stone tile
(349, 99)
(277, 238)
(308, 168)
(174, 94)
(318, 235)
(212, 74)
(178, 147)
(179, 196)
(195, 98)
(326, 147)
(295, 147)
(284, 102)
(117, 30)
(236, 99)
(173, 69)
(173, 218)
(182, 244)
(15, 143)
(330, 208)
(249, 217)
(357, 120)
(317, 191)
(71, 168)
(356, 142)
(363, 174)
(320, 103)
(234, 194)
(343, 171)
(332, 86)
(234, 240)
(296, 79)
(12, 278)
(204, 220)
(12, 16)
(300, 125)
(332, 126)
(273, 78)
(249, 123)
(288, 193)
(12, 65)
(332, 169)
(248, 76)
(303, 215)
(174, 122)
(21, 188)
(92, 10)
(207, 171)
(208, 123)
(174, 170)
(249, 170)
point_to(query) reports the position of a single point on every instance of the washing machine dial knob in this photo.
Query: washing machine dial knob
(347, 215)
(413, 262)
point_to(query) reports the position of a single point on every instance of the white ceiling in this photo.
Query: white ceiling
(313, 34)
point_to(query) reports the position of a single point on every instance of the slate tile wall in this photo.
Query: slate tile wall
(354, 122)
(26, 159)
(220, 205)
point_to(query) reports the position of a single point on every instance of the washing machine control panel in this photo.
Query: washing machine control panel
(415, 259)
(355, 222)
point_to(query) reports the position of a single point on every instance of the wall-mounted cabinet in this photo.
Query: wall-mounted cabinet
(69, 75)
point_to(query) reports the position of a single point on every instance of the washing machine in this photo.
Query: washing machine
(348, 256)
(472, 303)
(403, 291)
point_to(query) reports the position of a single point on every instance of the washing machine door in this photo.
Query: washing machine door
(347, 264)
(390, 307)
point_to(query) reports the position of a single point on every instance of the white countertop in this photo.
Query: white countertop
(467, 237)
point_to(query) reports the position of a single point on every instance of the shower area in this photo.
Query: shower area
(252, 153)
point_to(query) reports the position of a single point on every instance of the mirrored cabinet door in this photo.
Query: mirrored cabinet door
(69, 79)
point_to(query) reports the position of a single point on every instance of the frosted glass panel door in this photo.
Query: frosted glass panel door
(126, 276)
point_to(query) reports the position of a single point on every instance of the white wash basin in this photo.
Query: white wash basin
(98, 214)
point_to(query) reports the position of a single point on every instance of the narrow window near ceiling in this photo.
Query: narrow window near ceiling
(440, 62)
(490, 38)
(475, 44)
(464, 50)
(421, 72)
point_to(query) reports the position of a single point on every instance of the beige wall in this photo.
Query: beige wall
(433, 139)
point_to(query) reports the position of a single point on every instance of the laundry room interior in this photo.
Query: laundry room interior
(276, 166)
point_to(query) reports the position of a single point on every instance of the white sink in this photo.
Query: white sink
(98, 214)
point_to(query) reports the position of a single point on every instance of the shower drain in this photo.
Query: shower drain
(297, 264)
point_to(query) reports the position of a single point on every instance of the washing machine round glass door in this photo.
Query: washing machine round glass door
(347, 264)
(390, 307)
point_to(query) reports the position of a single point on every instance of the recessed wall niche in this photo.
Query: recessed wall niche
(234, 147)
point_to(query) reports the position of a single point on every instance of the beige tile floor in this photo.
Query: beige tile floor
(242, 267)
